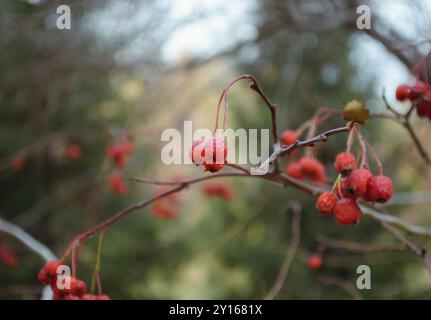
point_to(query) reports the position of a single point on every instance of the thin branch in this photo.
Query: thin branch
(359, 247)
(291, 252)
(349, 288)
(420, 252)
(404, 120)
(34, 245)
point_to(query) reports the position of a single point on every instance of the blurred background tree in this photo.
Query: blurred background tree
(138, 67)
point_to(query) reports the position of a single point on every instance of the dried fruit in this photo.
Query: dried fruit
(346, 211)
(344, 163)
(325, 202)
(288, 137)
(379, 189)
(294, 170)
(356, 183)
(48, 273)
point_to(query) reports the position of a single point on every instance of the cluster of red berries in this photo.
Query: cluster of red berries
(211, 153)
(167, 207)
(8, 257)
(218, 189)
(354, 183)
(419, 94)
(117, 183)
(75, 290)
(73, 151)
(119, 153)
(307, 168)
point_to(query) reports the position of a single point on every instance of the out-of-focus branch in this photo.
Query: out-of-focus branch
(34, 245)
(404, 120)
(359, 247)
(420, 252)
(348, 287)
(291, 252)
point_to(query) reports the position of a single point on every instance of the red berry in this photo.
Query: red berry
(127, 147)
(103, 297)
(417, 90)
(117, 183)
(196, 152)
(380, 189)
(8, 257)
(294, 170)
(288, 137)
(17, 163)
(167, 207)
(325, 202)
(215, 154)
(402, 92)
(315, 262)
(356, 183)
(423, 107)
(346, 211)
(344, 163)
(218, 189)
(72, 286)
(116, 154)
(48, 273)
(73, 151)
(312, 169)
(77, 287)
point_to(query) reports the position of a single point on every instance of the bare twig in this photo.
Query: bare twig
(359, 247)
(34, 245)
(346, 286)
(420, 252)
(291, 252)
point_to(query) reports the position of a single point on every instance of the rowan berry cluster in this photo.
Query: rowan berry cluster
(419, 94)
(65, 287)
(167, 207)
(218, 189)
(119, 154)
(352, 184)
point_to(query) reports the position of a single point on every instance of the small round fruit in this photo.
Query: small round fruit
(344, 163)
(402, 92)
(48, 273)
(356, 183)
(315, 262)
(417, 90)
(288, 137)
(380, 189)
(346, 211)
(294, 170)
(325, 202)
